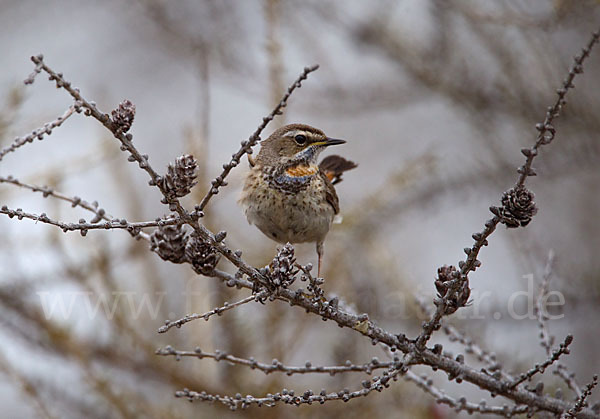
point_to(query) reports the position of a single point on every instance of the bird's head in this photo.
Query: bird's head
(294, 143)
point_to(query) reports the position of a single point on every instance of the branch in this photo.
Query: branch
(92, 110)
(218, 311)
(155, 180)
(40, 132)
(277, 366)
(426, 384)
(229, 280)
(433, 358)
(516, 209)
(254, 138)
(308, 397)
(471, 347)
(581, 400)
(100, 213)
(546, 340)
(546, 130)
(540, 368)
(83, 226)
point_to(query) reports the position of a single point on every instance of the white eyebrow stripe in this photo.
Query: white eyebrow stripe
(295, 132)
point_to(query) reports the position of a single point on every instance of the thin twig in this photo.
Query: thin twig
(127, 145)
(46, 191)
(540, 368)
(461, 404)
(276, 365)
(546, 134)
(40, 132)
(546, 340)
(426, 356)
(471, 264)
(218, 311)
(581, 400)
(247, 145)
(308, 397)
(37, 70)
(92, 110)
(83, 226)
(546, 130)
(471, 347)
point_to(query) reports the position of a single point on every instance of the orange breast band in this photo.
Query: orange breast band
(299, 171)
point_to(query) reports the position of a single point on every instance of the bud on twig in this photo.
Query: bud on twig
(202, 256)
(181, 176)
(517, 208)
(169, 243)
(123, 116)
(458, 297)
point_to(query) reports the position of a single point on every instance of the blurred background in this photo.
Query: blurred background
(435, 99)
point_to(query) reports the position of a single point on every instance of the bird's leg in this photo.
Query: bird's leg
(320, 251)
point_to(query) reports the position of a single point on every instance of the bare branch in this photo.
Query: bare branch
(155, 180)
(471, 347)
(546, 340)
(276, 365)
(40, 132)
(254, 138)
(218, 311)
(37, 70)
(75, 201)
(540, 368)
(581, 400)
(546, 130)
(308, 397)
(426, 384)
(83, 226)
(525, 207)
(92, 110)
(431, 357)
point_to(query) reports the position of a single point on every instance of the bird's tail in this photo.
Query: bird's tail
(334, 166)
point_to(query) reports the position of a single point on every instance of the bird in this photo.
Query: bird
(286, 194)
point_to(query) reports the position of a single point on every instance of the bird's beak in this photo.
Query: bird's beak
(332, 141)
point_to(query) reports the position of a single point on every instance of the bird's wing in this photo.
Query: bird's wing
(330, 194)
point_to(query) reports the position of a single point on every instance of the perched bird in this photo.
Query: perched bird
(286, 194)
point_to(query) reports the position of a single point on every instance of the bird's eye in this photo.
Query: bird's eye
(300, 139)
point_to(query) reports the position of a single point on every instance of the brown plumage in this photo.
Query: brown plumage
(286, 194)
